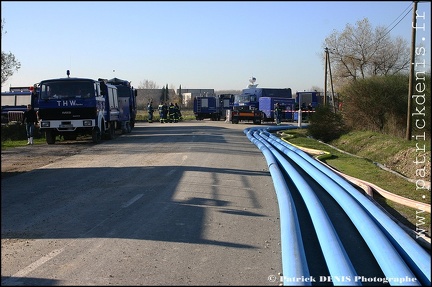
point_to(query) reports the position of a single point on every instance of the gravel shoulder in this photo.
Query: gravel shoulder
(23, 159)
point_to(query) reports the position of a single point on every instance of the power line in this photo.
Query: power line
(386, 33)
(397, 22)
(409, 7)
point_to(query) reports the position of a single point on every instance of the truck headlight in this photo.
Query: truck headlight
(45, 124)
(87, 123)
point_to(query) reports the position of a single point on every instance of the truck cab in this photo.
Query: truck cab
(14, 103)
(70, 107)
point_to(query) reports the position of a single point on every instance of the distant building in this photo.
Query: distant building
(188, 95)
(144, 96)
(187, 99)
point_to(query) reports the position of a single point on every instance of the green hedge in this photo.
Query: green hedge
(15, 131)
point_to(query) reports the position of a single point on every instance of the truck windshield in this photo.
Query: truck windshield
(244, 98)
(67, 90)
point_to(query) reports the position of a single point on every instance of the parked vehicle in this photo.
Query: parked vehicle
(306, 98)
(306, 103)
(226, 104)
(267, 108)
(70, 107)
(206, 108)
(127, 103)
(247, 106)
(14, 103)
(212, 107)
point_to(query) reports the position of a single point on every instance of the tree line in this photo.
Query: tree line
(371, 77)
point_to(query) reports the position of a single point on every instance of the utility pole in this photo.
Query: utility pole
(328, 64)
(181, 96)
(411, 75)
(325, 76)
(331, 83)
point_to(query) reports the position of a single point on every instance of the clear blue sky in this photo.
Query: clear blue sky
(207, 45)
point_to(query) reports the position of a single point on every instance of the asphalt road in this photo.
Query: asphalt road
(189, 203)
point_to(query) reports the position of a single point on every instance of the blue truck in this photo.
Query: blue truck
(226, 104)
(70, 107)
(206, 108)
(246, 106)
(307, 102)
(306, 98)
(14, 103)
(126, 95)
(212, 107)
(267, 107)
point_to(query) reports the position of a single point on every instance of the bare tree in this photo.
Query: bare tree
(146, 84)
(317, 89)
(9, 63)
(360, 51)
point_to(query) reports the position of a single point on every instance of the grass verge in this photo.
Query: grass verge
(378, 149)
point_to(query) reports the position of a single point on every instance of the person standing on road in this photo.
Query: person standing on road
(150, 111)
(309, 110)
(278, 113)
(30, 120)
(161, 112)
(178, 114)
(171, 112)
(165, 112)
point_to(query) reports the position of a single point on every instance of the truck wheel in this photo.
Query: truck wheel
(110, 133)
(128, 128)
(235, 121)
(96, 135)
(50, 137)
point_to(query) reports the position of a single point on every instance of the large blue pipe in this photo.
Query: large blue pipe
(337, 259)
(390, 261)
(416, 257)
(294, 264)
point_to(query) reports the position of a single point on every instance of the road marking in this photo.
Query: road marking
(14, 279)
(138, 196)
(26, 270)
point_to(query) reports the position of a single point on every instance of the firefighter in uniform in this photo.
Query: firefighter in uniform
(171, 112)
(177, 115)
(161, 110)
(165, 109)
(150, 111)
(278, 113)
